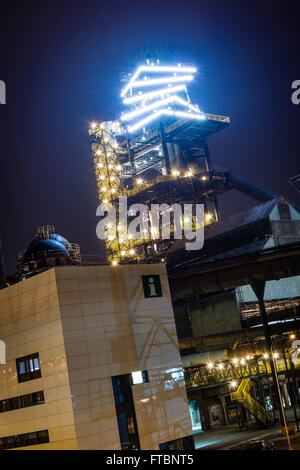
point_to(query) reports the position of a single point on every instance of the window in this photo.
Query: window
(15, 403)
(139, 377)
(28, 367)
(183, 443)
(23, 440)
(125, 411)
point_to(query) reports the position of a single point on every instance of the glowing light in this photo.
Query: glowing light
(208, 216)
(151, 94)
(139, 181)
(233, 384)
(114, 262)
(175, 172)
(266, 356)
(131, 252)
(275, 355)
(157, 68)
(137, 377)
(220, 366)
(235, 361)
(210, 365)
(160, 103)
(292, 336)
(93, 125)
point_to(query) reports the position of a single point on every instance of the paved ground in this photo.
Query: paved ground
(227, 437)
(231, 438)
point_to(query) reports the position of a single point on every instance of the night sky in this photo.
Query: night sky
(62, 62)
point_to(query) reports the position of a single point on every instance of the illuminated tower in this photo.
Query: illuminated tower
(156, 153)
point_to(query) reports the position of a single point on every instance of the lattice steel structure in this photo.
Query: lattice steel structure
(156, 153)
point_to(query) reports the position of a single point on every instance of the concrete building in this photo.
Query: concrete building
(92, 361)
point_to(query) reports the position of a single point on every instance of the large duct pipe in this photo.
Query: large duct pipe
(226, 338)
(246, 187)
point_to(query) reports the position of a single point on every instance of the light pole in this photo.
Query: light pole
(279, 393)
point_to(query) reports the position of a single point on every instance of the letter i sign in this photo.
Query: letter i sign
(152, 286)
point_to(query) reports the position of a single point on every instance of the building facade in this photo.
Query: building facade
(92, 361)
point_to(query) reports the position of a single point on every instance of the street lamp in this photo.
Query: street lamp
(279, 392)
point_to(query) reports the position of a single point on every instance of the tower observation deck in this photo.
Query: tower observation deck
(157, 152)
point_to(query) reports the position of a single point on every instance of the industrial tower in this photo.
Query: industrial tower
(156, 153)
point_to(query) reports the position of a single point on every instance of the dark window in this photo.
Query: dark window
(28, 367)
(183, 443)
(15, 403)
(125, 410)
(23, 440)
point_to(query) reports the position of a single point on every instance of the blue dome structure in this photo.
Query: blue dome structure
(45, 248)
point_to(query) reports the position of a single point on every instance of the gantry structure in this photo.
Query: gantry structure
(157, 152)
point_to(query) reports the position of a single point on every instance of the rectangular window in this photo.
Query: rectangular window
(139, 377)
(15, 403)
(28, 367)
(23, 440)
(183, 443)
(125, 411)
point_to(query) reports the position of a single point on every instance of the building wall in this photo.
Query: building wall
(110, 329)
(215, 315)
(29, 323)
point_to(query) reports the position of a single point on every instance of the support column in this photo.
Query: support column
(258, 287)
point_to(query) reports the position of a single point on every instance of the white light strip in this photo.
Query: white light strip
(167, 112)
(158, 104)
(143, 110)
(156, 68)
(148, 119)
(190, 115)
(161, 91)
(157, 81)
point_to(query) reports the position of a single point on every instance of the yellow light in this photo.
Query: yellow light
(118, 167)
(113, 190)
(132, 252)
(100, 165)
(292, 336)
(139, 181)
(210, 365)
(208, 216)
(248, 358)
(275, 355)
(235, 361)
(233, 384)
(93, 125)
(110, 238)
(204, 178)
(98, 152)
(175, 172)
(220, 366)
(102, 177)
(105, 201)
(188, 173)
(243, 361)
(103, 189)
(123, 253)
(114, 263)
(266, 356)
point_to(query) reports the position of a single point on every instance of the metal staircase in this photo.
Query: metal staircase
(242, 395)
